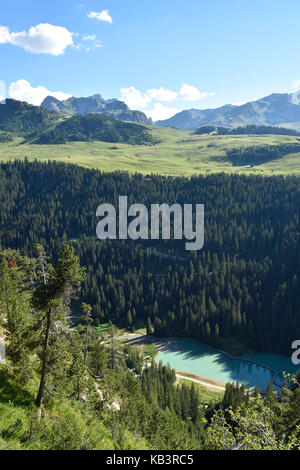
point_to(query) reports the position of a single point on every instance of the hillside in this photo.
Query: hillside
(273, 110)
(95, 104)
(22, 118)
(72, 380)
(249, 129)
(96, 127)
(88, 391)
(42, 126)
(99, 141)
(176, 153)
(251, 247)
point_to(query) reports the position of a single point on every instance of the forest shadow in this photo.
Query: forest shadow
(11, 392)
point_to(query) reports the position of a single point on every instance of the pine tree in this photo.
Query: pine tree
(16, 318)
(87, 320)
(149, 327)
(98, 359)
(77, 369)
(112, 345)
(53, 299)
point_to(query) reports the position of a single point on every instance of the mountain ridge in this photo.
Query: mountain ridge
(95, 104)
(23, 118)
(277, 109)
(39, 125)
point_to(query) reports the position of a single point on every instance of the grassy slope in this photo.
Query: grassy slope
(66, 424)
(206, 396)
(178, 153)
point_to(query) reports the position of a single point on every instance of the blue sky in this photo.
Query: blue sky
(160, 56)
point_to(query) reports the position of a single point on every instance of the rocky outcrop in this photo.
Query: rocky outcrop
(95, 104)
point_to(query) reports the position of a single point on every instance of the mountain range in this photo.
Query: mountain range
(95, 104)
(280, 110)
(42, 126)
(277, 109)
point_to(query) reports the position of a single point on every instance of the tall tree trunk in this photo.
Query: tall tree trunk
(86, 344)
(113, 352)
(40, 394)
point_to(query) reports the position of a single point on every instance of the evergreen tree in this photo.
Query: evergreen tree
(53, 299)
(87, 320)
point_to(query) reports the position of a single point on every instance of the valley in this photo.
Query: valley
(149, 229)
(176, 153)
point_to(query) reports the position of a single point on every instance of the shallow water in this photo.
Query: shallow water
(190, 356)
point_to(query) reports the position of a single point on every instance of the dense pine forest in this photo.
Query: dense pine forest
(239, 293)
(256, 155)
(96, 127)
(67, 388)
(249, 129)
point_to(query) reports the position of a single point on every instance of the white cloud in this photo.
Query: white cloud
(134, 98)
(41, 39)
(191, 93)
(137, 99)
(4, 34)
(91, 37)
(241, 103)
(296, 97)
(296, 85)
(22, 90)
(2, 90)
(162, 94)
(101, 16)
(160, 112)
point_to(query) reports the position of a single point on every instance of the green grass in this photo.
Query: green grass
(178, 153)
(66, 424)
(206, 396)
(150, 350)
(102, 329)
(11, 392)
(141, 331)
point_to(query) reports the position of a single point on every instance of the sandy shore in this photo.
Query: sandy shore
(207, 383)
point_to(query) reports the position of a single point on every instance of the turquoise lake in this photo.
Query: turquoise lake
(189, 356)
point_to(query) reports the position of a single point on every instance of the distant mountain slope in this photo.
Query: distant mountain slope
(95, 104)
(249, 129)
(96, 127)
(273, 110)
(23, 118)
(193, 118)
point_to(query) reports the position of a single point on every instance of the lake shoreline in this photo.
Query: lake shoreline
(230, 356)
(165, 345)
(209, 383)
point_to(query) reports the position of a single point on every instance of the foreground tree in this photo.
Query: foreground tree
(53, 300)
(15, 318)
(256, 427)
